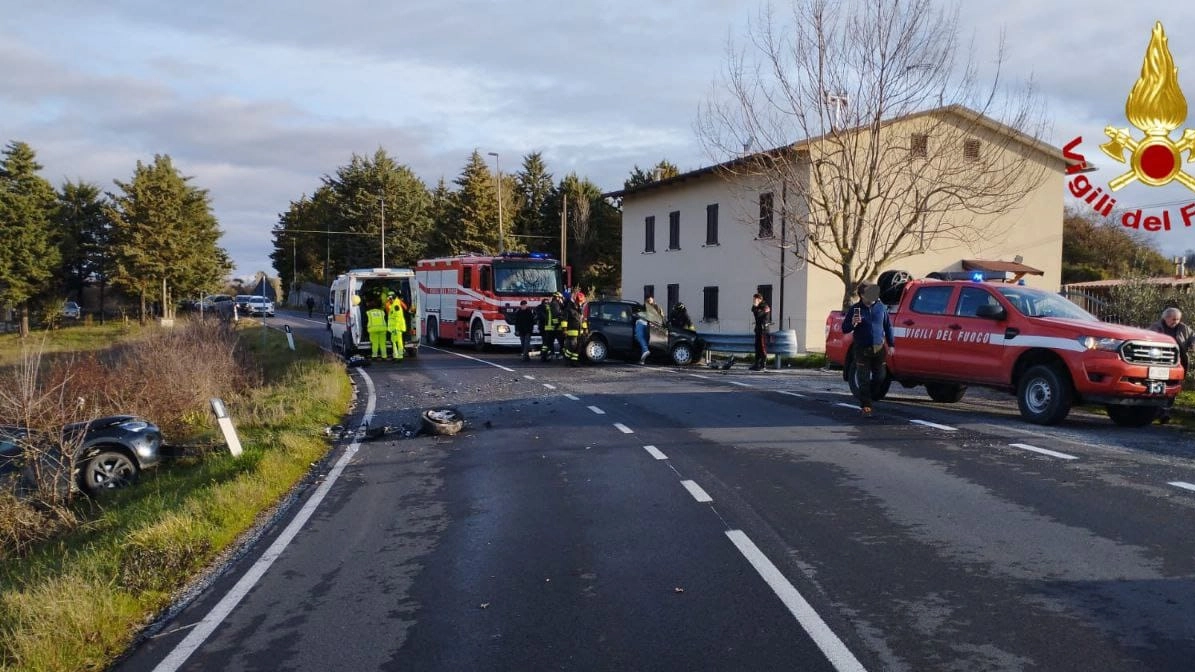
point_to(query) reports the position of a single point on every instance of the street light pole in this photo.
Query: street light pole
(501, 235)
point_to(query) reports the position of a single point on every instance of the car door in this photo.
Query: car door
(921, 329)
(975, 350)
(606, 319)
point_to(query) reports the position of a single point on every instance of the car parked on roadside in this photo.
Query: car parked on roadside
(260, 306)
(109, 452)
(612, 334)
(71, 310)
(242, 302)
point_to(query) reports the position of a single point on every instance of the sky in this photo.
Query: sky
(256, 101)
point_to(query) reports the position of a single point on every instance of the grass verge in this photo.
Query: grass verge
(76, 602)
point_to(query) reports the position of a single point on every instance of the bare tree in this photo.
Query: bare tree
(883, 142)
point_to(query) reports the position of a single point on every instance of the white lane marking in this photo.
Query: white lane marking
(623, 428)
(655, 452)
(1043, 451)
(735, 382)
(935, 425)
(854, 406)
(457, 354)
(1184, 486)
(839, 656)
(597, 410)
(793, 394)
(549, 386)
(695, 490)
(699, 376)
(574, 398)
(528, 377)
(224, 607)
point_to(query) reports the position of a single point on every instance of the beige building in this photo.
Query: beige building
(711, 238)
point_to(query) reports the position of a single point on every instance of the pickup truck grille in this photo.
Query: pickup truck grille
(1136, 352)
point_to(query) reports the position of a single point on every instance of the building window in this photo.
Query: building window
(673, 297)
(765, 215)
(649, 291)
(709, 311)
(971, 149)
(649, 232)
(919, 146)
(766, 292)
(711, 224)
(674, 230)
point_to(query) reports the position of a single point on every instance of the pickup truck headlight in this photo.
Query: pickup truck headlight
(134, 425)
(503, 329)
(1101, 343)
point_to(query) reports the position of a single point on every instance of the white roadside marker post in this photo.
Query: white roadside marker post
(226, 428)
(290, 338)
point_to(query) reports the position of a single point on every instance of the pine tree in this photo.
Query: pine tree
(84, 228)
(440, 243)
(29, 254)
(533, 218)
(473, 222)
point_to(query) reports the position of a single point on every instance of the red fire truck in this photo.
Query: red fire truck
(473, 297)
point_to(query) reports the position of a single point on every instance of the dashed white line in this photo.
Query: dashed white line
(735, 382)
(935, 425)
(696, 375)
(1184, 486)
(695, 490)
(528, 377)
(597, 410)
(574, 398)
(549, 386)
(623, 428)
(655, 452)
(1043, 451)
(840, 657)
(793, 394)
(854, 406)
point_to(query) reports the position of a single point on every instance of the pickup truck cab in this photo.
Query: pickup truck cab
(1037, 345)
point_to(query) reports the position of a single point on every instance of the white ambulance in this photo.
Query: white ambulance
(368, 284)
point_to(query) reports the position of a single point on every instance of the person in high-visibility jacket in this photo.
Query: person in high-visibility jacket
(397, 323)
(375, 324)
(551, 315)
(575, 327)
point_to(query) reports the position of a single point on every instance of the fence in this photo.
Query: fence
(780, 343)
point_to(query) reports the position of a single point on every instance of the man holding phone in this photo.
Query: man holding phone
(868, 320)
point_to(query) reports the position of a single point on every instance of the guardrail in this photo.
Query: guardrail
(780, 343)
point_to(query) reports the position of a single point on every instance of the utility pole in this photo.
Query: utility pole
(501, 235)
(564, 231)
(383, 199)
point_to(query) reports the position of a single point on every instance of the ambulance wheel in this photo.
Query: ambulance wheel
(411, 352)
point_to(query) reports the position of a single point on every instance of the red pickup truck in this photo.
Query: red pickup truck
(1041, 347)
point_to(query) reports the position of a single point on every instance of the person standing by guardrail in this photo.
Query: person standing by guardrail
(762, 314)
(868, 319)
(1173, 326)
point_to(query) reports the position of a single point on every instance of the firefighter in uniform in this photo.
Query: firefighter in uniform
(575, 328)
(553, 314)
(397, 323)
(375, 324)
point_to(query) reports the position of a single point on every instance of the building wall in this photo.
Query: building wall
(740, 262)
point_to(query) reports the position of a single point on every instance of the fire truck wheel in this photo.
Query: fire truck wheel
(1044, 395)
(477, 336)
(1132, 416)
(433, 332)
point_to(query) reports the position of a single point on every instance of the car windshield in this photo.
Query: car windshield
(1036, 303)
(527, 279)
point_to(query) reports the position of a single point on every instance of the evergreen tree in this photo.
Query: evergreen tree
(534, 217)
(661, 171)
(164, 236)
(29, 255)
(473, 218)
(594, 233)
(442, 206)
(84, 228)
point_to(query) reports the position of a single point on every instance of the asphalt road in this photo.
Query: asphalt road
(652, 518)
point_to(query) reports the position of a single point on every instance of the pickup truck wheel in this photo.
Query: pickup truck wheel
(682, 354)
(945, 393)
(1044, 395)
(1132, 416)
(879, 390)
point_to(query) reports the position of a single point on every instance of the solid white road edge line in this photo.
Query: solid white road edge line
(1184, 486)
(854, 406)
(1043, 451)
(457, 354)
(735, 382)
(549, 386)
(699, 376)
(573, 397)
(695, 490)
(935, 425)
(792, 394)
(528, 377)
(623, 428)
(839, 656)
(597, 410)
(233, 597)
(655, 452)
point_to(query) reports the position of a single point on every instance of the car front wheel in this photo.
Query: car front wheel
(1132, 416)
(107, 470)
(596, 350)
(1044, 395)
(682, 354)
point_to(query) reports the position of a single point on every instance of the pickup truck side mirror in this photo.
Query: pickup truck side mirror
(991, 311)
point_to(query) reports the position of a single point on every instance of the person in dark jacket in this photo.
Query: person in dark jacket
(1173, 326)
(524, 324)
(761, 312)
(868, 320)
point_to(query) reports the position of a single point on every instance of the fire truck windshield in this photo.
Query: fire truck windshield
(523, 279)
